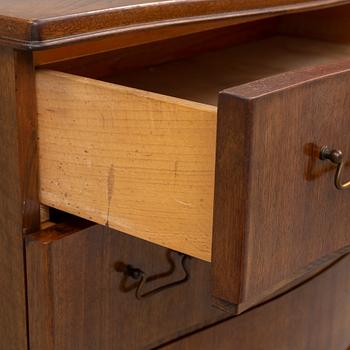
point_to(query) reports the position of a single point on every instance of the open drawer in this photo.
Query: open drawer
(232, 177)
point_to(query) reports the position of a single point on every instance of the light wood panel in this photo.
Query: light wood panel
(135, 161)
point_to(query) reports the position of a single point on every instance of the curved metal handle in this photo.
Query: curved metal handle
(336, 157)
(142, 278)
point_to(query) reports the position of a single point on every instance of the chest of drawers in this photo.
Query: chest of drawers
(193, 155)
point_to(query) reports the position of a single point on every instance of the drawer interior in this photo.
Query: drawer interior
(200, 78)
(144, 163)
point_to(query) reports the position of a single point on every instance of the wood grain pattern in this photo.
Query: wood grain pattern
(330, 24)
(158, 36)
(276, 207)
(157, 167)
(315, 316)
(294, 280)
(123, 58)
(135, 161)
(77, 299)
(19, 210)
(23, 23)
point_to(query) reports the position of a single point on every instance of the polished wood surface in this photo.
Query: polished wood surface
(61, 290)
(142, 155)
(27, 10)
(295, 279)
(315, 316)
(23, 23)
(178, 37)
(121, 58)
(330, 24)
(19, 210)
(276, 207)
(128, 159)
(78, 300)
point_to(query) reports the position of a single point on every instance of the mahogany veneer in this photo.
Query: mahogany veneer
(196, 126)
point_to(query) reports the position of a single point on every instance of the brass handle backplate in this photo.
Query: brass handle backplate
(336, 157)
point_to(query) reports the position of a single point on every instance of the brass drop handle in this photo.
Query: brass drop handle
(143, 278)
(336, 157)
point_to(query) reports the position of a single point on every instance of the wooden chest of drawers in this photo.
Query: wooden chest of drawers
(168, 166)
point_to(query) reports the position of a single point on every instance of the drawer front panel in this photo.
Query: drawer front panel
(315, 316)
(80, 299)
(277, 208)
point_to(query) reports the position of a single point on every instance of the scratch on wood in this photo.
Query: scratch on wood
(176, 165)
(186, 204)
(110, 190)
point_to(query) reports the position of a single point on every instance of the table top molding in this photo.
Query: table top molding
(25, 25)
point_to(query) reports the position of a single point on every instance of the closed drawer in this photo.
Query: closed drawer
(80, 296)
(231, 177)
(315, 316)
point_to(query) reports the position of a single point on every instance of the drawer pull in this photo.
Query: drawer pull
(336, 157)
(143, 278)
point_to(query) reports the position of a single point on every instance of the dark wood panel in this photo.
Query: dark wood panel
(77, 299)
(24, 23)
(315, 316)
(123, 60)
(276, 207)
(136, 38)
(328, 24)
(19, 210)
(26, 9)
(296, 279)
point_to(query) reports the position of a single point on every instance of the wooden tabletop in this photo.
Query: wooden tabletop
(34, 24)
